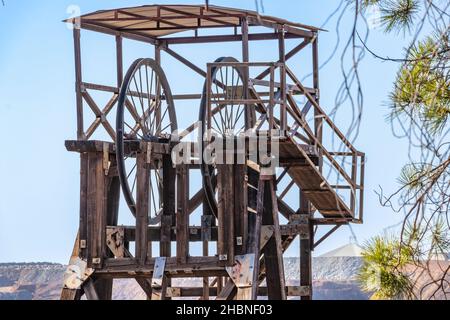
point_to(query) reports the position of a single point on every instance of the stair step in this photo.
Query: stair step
(318, 191)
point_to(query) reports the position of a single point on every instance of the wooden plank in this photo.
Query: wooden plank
(72, 294)
(189, 292)
(159, 280)
(182, 220)
(155, 233)
(142, 208)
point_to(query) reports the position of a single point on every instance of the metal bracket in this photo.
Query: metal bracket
(223, 257)
(241, 272)
(115, 241)
(301, 224)
(266, 233)
(206, 228)
(159, 279)
(76, 274)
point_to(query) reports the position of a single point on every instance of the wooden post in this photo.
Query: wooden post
(119, 59)
(249, 118)
(306, 243)
(158, 87)
(104, 286)
(240, 209)
(142, 207)
(318, 122)
(282, 56)
(168, 219)
(96, 210)
(83, 229)
(182, 220)
(78, 81)
(207, 223)
(225, 214)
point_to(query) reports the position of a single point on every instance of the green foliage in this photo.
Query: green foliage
(422, 89)
(413, 176)
(396, 15)
(440, 238)
(382, 272)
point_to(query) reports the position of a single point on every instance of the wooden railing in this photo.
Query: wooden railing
(279, 110)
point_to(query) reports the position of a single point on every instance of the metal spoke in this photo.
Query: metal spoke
(132, 170)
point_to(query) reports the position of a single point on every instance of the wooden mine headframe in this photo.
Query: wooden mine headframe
(244, 202)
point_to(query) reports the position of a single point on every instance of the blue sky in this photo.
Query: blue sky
(39, 178)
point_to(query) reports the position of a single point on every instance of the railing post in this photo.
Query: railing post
(78, 82)
(318, 122)
(119, 60)
(283, 97)
(208, 101)
(353, 186)
(272, 98)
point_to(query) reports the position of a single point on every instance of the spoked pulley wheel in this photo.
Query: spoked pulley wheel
(228, 120)
(145, 112)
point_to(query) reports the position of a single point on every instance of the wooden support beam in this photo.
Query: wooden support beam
(273, 251)
(104, 287)
(283, 94)
(96, 210)
(186, 292)
(182, 220)
(208, 220)
(306, 245)
(142, 207)
(78, 81)
(318, 120)
(119, 60)
(240, 208)
(83, 229)
(169, 199)
(185, 61)
(223, 204)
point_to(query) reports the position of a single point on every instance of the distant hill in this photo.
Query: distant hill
(334, 278)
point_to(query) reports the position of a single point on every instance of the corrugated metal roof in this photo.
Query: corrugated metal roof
(161, 20)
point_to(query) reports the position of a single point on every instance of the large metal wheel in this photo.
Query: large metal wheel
(145, 112)
(227, 120)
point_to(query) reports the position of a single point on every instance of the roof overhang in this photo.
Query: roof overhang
(152, 22)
